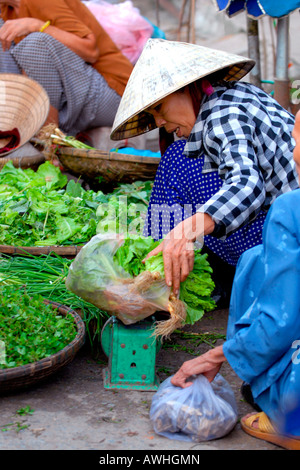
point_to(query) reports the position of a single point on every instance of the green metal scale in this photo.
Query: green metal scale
(131, 352)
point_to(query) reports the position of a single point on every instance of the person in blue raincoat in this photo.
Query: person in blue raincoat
(263, 336)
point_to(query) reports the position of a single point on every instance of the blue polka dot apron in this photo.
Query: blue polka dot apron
(179, 188)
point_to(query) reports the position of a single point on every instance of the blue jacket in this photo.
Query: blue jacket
(264, 316)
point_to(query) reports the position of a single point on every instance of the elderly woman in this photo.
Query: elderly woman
(61, 45)
(263, 337)
(231, 158)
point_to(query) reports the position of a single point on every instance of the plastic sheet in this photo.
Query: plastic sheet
(124, 24)
(201, 412)
(98, 279)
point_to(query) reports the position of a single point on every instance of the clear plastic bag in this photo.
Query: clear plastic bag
(201, 412)
(97, 278)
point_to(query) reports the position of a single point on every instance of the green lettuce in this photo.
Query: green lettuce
(195, 291)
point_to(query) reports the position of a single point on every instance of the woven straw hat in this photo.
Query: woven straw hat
(24, 105)
(162, 68)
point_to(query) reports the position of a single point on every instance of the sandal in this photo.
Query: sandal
(267, 432)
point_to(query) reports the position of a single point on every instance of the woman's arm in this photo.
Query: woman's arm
(85, 47)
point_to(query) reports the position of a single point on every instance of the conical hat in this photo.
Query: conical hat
(162, 68)
(24, 104)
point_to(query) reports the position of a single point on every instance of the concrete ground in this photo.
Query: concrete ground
(72, 410)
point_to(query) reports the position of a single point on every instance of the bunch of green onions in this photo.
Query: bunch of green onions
(58, 137)
(51, 134)
(45, 275)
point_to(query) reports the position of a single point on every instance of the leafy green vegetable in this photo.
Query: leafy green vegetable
(42, 208)
(195, 291)
(30, 329)
(45, 275)
(132, 252)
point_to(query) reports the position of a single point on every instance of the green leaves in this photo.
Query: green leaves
(42, 208)
(195, 291)
(30, 329)
(131, 254)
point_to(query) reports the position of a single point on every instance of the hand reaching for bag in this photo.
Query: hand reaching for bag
(208, 364)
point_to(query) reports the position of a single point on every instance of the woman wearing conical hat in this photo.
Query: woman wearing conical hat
(61, 45)
(231, 156)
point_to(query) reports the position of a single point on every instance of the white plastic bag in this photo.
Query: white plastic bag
(97, 278)
(200, 412)
(124, 24)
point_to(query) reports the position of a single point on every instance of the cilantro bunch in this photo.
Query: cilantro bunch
(30, 329)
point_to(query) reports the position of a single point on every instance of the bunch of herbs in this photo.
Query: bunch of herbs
(43, 208)
(30, 329)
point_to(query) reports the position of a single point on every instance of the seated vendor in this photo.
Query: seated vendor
(61, 45)
(231, 158)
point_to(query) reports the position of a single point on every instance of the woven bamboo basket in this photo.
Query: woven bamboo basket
(24, 162)
(23, 376)
(65, 251)
(111, 166)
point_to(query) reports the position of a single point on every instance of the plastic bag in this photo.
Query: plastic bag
(124, 24)
(96, 278)
(200, 412)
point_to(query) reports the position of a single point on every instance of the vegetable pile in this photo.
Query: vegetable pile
(45, 275)
(30, 329)
(195, 291)
(110, 273)
(43, 209)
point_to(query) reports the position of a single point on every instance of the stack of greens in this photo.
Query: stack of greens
(42, 208)
(45, 275)
(195, 291)
(30, 329)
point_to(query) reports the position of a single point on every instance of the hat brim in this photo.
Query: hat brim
(24, 104)
(130, 124)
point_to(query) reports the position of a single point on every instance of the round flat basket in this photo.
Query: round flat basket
(66, 251)
(111, 166)
(33, 161)
(23, 376)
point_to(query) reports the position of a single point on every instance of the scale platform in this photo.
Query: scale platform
(131, 352)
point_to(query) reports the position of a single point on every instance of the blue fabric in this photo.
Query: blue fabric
(278, 8)
(257, 9)
(263, 333)
(133, 151)
(179, 189)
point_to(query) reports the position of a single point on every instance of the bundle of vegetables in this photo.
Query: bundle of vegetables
(110, 273)
(45, 275)
(195, 291)
(51, 134)
(42, 208)
(30, 329)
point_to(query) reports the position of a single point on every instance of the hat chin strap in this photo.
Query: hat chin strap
(13, 142)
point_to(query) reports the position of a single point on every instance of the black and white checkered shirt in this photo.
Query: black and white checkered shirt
(245, 135)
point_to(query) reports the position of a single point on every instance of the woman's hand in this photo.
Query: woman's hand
(178, 248)
(85, 47)
(208, 365)
(13, 29)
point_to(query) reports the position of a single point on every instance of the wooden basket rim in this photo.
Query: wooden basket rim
(112, 156)
(62, 250)
(48, 362)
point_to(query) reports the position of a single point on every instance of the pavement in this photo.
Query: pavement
(72, 410)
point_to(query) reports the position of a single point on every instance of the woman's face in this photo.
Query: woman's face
(175, 113)
(296, 136)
